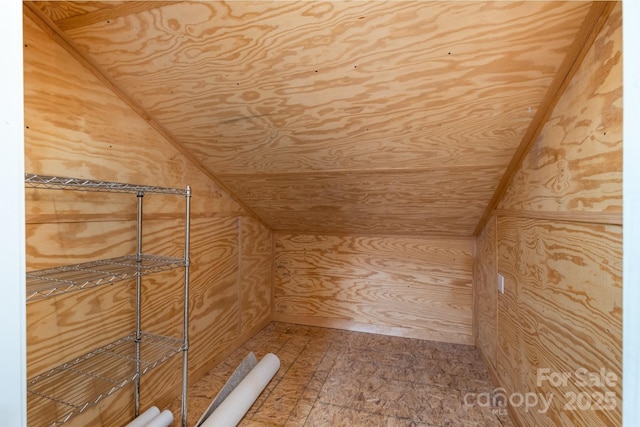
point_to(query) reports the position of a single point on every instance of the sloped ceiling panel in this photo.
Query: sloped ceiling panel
(376, 117)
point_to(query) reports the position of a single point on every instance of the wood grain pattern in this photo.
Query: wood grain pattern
(90, 15)
(392, 69)
(346, 202)
(559, 237)
(55, 244)
(509, 363)
(255, 274)
(67, 326)
(418, 286)
(80, 206)
(77, 127)
(485, 282)
(576, 163)
(593, 23)
(565, 284)
(264, 88)
(58, 10)
(44, 22)
(588, 217)
(215, 301)
(45, 206)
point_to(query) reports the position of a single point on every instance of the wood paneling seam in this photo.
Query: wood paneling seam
(372, 171)
(565, 216)
(447, 237)
(273, 273)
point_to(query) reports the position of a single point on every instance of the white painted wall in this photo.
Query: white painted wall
(12, 250)
(631, 261)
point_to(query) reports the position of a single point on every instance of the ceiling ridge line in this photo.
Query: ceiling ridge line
(47, 25)
(413, 236)
(363, 171)
(589, 30)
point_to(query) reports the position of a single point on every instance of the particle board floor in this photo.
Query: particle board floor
(329, 377)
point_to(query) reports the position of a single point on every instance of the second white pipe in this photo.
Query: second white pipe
(238, 402)
(163, 419)
(144, 418)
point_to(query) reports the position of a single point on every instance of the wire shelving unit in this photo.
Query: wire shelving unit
(71, 388)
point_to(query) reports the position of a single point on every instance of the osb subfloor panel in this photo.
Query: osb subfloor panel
(329, 377)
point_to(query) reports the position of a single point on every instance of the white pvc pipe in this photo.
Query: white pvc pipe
(144, 418)
(236, 405)
(163, 419)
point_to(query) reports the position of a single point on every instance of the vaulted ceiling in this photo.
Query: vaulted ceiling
(338, 116)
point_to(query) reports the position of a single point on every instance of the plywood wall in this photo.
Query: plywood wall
(76, 126)
(413, 287)
(485, 290)
(558, 242)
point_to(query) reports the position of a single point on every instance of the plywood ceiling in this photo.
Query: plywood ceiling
(337, 117)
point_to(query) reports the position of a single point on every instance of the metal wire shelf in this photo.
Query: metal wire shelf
(74, 387)
(60, 280)
(63, 183)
